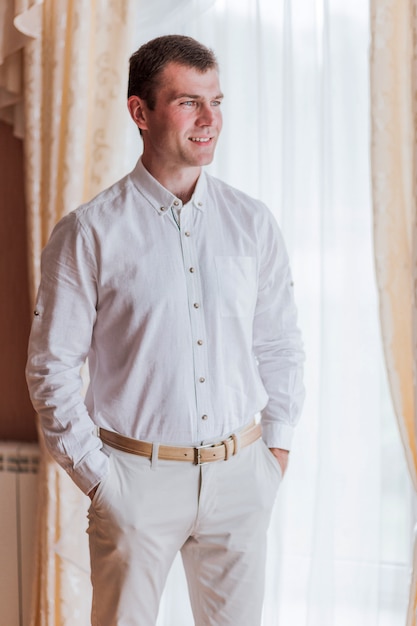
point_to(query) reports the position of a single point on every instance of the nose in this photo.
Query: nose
(205, 115)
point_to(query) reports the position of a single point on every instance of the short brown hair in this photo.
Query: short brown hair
(147, 63)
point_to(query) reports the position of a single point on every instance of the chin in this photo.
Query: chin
(205, 160)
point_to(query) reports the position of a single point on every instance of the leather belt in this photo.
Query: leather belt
(220, 451)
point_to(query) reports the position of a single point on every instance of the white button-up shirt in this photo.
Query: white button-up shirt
(189, 326)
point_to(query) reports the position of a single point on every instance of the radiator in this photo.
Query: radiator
(18, 492)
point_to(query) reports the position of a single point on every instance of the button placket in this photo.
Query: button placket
(176, 206)
(196, 307)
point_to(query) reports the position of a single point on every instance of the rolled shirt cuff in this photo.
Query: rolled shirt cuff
(90, 471)
(277, 435)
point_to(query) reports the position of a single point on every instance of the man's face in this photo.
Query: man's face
(182, 130)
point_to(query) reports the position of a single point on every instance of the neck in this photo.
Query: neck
(184, 195)
(179, 181)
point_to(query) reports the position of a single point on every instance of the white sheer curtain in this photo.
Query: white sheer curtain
(296, 134)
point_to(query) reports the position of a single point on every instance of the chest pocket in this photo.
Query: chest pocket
(236, 277)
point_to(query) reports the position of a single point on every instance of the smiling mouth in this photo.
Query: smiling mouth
(201, 139)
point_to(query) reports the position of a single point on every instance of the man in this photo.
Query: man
(177, 288)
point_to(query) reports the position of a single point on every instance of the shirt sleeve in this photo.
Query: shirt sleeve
(59, 343)
(277, 342)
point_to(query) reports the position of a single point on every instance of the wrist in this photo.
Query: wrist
(92, 493)
(282, 457)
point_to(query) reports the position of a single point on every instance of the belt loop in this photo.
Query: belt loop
(236, 441)
(154, 457)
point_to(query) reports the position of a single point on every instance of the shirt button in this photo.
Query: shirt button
(204, 417)
(176, 203)
(192, 270)
(162, 208)
(202, 379)
(200, 342)
(187, 233)
(200, 203)
(196, 305)
(36, 313)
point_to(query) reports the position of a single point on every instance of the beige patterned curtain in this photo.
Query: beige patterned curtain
(66, 61)
(20, 20)
(393, 142)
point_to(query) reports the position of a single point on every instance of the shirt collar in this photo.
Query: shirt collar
(160, 198)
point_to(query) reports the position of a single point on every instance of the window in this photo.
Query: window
(296, 135)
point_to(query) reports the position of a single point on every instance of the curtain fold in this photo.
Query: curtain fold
(393, 143)
(20, 21)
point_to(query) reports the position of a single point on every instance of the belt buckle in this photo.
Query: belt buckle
(197, 449)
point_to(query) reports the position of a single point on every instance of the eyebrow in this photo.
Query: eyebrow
(178, 96)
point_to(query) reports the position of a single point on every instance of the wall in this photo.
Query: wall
(17, 420)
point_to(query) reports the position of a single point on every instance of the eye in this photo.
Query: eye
(216, 103)
(188, 103)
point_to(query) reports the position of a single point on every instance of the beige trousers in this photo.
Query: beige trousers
(216, 514)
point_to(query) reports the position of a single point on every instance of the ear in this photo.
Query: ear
(138, 111)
